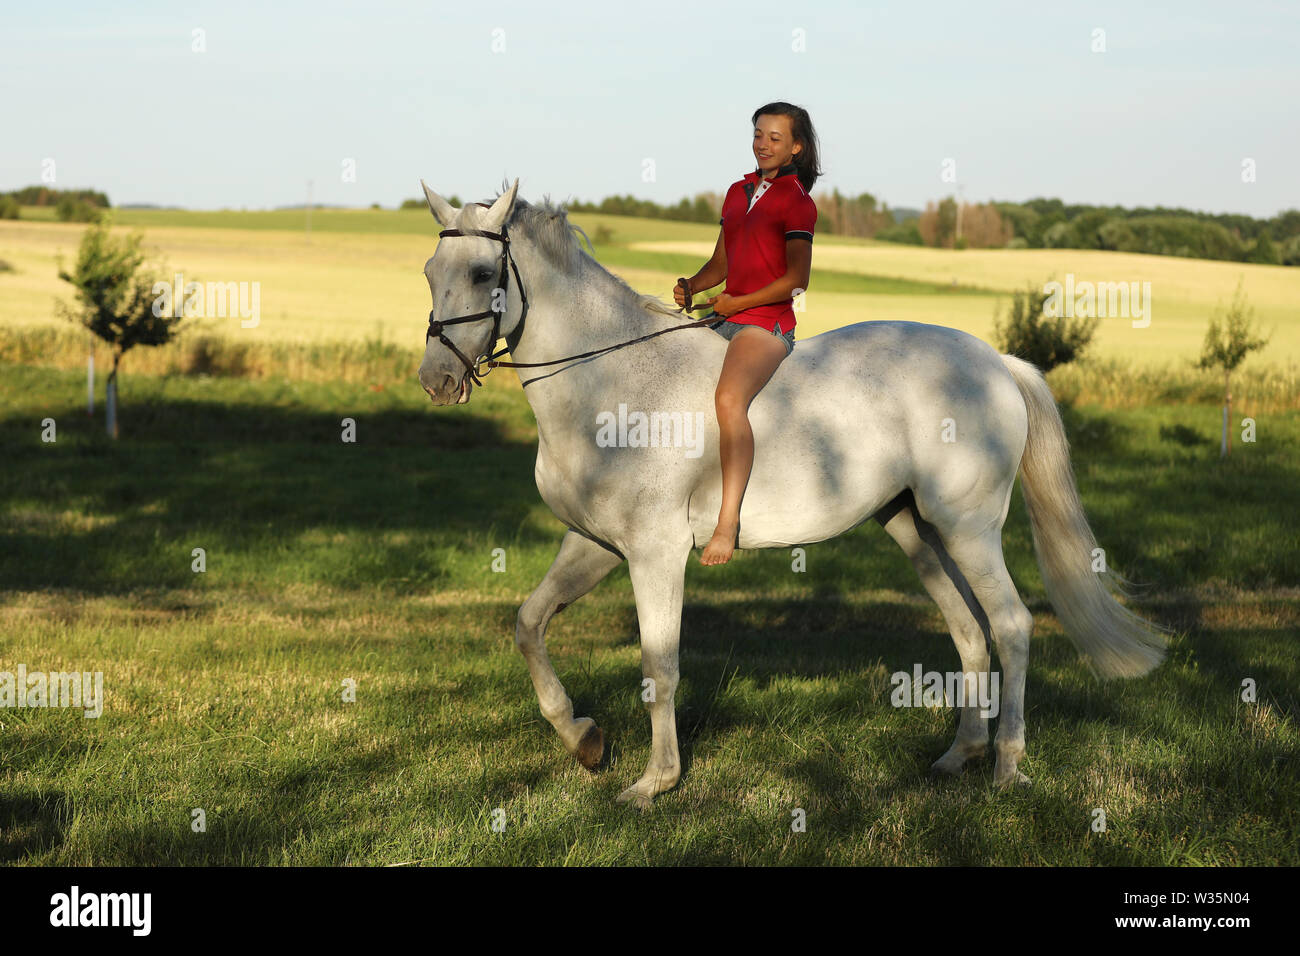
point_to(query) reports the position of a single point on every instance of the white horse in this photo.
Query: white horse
(918, 426)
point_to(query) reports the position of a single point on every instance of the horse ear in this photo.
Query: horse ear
(442, 210)
(501, 209)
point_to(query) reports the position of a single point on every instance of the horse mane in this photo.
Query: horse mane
(547, 227)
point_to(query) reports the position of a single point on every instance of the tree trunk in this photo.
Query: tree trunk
(110, 399)
(1227, 415)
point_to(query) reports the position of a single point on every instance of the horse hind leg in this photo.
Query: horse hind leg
(580, 565)
(962, 613)
(980, 560)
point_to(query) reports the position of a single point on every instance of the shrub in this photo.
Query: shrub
(906, 232)
(1046, 341)
(72, 209)
(9, 207)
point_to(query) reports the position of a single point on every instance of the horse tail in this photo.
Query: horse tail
(1117, 642)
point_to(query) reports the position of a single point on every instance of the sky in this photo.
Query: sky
(1157, 103)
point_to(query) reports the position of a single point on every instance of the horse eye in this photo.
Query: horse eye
(481, 275)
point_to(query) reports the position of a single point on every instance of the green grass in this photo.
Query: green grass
(372, 561)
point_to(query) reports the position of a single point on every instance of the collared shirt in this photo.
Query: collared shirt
(754, 235)
(762, 188)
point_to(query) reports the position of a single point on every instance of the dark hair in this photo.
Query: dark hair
(806, 161)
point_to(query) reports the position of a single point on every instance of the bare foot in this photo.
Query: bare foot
(720, 546)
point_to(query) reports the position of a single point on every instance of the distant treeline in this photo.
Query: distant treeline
(861, 215)
(45, 196)
(1051, 224)
(71, 205)
(423, 203)
(1036, 224)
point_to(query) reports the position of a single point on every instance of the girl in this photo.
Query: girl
(765, 253)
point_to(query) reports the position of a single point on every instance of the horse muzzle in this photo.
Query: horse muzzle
(451, 392)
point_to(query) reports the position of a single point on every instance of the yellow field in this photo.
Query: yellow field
(338, 286)
(1184, 292)
(343, 286)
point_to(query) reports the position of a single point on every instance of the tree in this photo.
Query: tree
(118, 302)
(938, 224)
(1226, 346)
(423, 204)
(1047, 342)
(1264, 251)
(71, 208)
(982, 226)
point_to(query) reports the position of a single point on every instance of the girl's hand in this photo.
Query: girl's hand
(725, 305)
(679, 296)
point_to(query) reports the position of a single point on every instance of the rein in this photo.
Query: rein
(480, 367)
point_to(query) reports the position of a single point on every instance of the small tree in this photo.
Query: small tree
(1047, 342)
(117, 300)
(1226, 346)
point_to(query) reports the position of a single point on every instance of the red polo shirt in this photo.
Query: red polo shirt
(755, 240)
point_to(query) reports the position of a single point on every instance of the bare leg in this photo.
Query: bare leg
(752, 357)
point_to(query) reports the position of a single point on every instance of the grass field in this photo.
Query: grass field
(372, 562)
(328, 561)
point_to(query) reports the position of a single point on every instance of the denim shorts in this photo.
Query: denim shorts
(728, 329)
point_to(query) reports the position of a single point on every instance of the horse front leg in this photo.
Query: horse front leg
(579, 567)
(658, 581)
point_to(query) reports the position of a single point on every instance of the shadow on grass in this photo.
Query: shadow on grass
(104, 517)
(30, 822)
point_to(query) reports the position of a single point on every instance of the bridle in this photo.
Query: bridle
(436, 326)
(484, 363)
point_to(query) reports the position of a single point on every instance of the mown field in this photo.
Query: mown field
(359, 276)
(372, 562)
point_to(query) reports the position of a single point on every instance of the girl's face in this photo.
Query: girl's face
(774, 145)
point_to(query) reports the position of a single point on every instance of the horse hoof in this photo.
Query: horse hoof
(638, 800)
(1015, 781)
(591, 748)
(941, 771)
